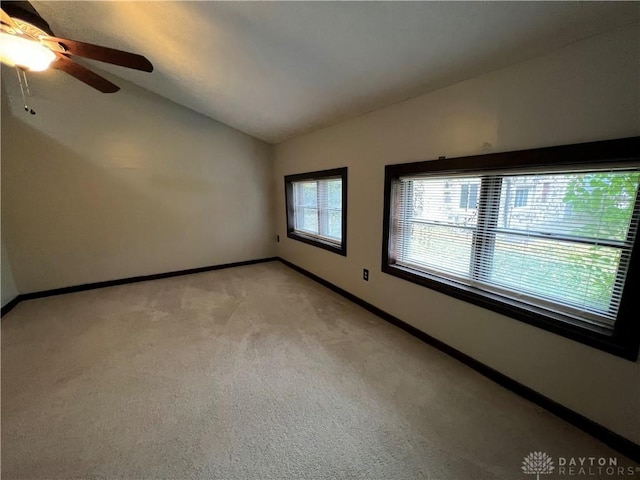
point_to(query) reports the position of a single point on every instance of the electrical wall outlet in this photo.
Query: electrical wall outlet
(365, 274)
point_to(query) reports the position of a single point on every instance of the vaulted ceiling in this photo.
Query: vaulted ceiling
(277, 69)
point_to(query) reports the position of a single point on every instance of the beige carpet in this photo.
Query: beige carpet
(250, 373)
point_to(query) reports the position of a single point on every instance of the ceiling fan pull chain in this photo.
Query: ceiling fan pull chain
(24, 100)
(22, 75)
(26, 83)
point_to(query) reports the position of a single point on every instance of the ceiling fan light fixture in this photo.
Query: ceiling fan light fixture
(23, 52)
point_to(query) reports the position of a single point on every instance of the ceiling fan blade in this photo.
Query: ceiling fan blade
(8, 21)
(84, 74)
(103, 54)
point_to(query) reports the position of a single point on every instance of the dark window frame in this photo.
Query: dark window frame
(341, 173)
(624, 341)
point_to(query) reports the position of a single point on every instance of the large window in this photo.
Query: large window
(317, 208)
(546, 236)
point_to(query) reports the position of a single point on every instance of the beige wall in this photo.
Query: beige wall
(8, 288)
(98, 187)
(586, 91)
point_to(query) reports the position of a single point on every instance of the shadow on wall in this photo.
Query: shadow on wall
(65, 218)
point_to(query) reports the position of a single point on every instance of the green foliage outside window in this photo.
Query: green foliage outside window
(608, 200)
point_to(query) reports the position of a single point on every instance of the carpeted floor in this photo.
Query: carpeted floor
(250, 373)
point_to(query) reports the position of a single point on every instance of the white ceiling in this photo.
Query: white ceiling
(277, 69)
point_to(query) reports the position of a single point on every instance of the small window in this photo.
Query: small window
(317, 208)
(468, 196)
(546, 236)
(521, 197)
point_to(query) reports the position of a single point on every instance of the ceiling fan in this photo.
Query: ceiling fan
(28, 43)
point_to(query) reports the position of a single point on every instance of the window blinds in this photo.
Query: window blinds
(318, 208)
(560, 241)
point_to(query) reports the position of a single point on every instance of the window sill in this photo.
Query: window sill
(319, 242)
(591, 335)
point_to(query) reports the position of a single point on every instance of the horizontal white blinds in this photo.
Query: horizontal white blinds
(318, 208)
(558, 240)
